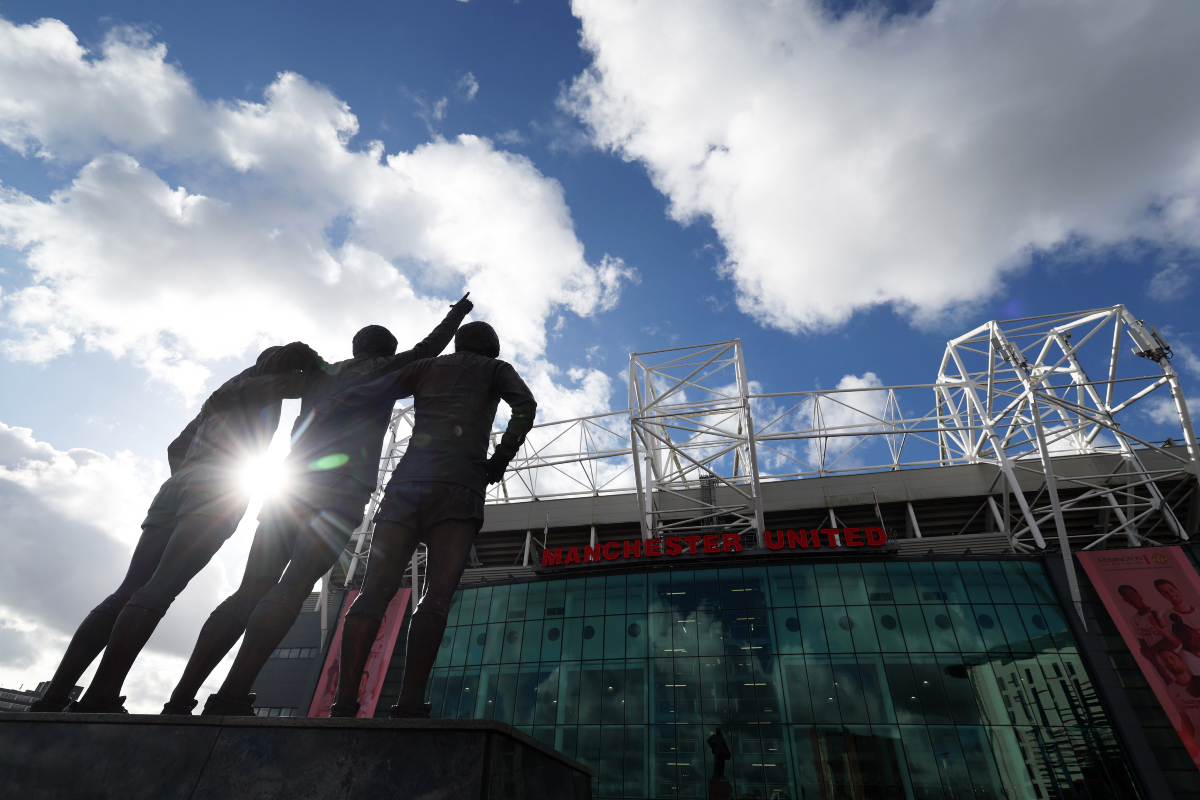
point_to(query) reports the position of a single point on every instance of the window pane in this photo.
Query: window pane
(787, 631)
(733, 589)
(683, 591)
(575, 595)
(615, 635)
(684, 639)
(922, 763)
(552, 639)
(941, 628)
(612, 693)
(493, 643)
(854, 587)
(780, 579)
(477, 638)
(546, 708)
(928, 679)
(926, 582)
(966, 628)
(887, 628)
(445, 648)
(953, 590)
(612, 761)
(593, 637)
(824, 695)
(804, 584)
(525, 699)
(483, 604)
(903, 587)
(974, 580)
(812, 630)
(635, 692)
(906, 700)
(996, 582)
(912, 622)
(634, 761)
(531, 641)
(636, 594)
(1039, 582)
(637, 635)
(614, 594)
(594, 596)
(862, 629)
(755, 584)
(837, 629)
(516, 601)
(1018, 582)
(829, 584)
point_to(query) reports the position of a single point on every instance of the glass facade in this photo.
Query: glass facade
(914, 679)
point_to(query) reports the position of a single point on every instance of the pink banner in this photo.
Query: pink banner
(377, 661)
(1153, 597)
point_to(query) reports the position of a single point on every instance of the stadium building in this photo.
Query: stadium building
(873, 592)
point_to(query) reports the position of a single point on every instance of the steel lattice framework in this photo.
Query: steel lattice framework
(696, 442)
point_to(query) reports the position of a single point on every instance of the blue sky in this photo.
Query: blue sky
(842, 187)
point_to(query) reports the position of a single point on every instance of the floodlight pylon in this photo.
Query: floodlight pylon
(692, 439)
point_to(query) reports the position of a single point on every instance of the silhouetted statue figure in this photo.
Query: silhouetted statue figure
(435, 496)
(719, 787)
(333, 469)
(721, 753)
(195, 510)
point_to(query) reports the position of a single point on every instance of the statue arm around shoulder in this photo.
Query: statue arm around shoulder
(254, 392)
(513, 391)
(388, 389)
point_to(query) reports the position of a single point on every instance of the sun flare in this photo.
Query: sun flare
(263, 477)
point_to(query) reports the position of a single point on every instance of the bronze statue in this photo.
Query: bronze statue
(435, 496)
(333, 467)
(721, 752)
(199, 506)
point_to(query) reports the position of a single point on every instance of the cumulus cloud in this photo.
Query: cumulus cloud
(1169, 283)
(908, 160)
(68, 524)
(468, 86)
(271, 226)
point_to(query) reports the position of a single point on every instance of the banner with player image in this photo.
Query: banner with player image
(1153, 596)
(377, 661)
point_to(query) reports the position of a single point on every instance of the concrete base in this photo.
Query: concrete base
(720, 789)
(54, 756)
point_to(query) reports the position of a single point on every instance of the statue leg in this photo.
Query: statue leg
(193, 543)
(449, 551)
(318, 546)
(94, 632)
(391, 550)
(269, 554)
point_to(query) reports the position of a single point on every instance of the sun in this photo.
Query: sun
(263, 477)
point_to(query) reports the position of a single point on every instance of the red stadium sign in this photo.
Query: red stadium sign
(713, 543)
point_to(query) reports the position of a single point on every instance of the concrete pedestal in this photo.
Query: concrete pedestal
(720, 789)
(136, 757)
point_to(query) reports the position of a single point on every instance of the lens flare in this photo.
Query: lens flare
(263, 476)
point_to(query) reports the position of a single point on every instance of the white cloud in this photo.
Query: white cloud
(1169, 283)
(68, 524)
(849, 412)
(238, 249)
(468, 86)
(911, 161)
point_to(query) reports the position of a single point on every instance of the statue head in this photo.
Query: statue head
(265, 354)
(477, 337)
(374, 341)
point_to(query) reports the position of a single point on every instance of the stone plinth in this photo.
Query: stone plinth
(136, 757)
(720, 789)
